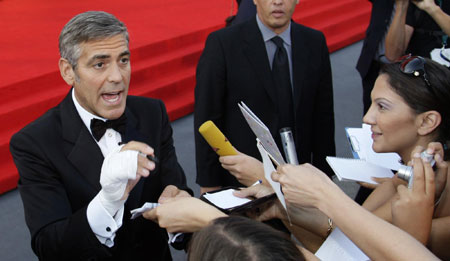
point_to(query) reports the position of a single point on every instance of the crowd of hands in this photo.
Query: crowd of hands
(312, 197)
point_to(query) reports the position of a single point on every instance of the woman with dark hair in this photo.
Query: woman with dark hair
(409, 110)
(240, 238)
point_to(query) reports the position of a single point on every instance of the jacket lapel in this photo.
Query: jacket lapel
(132, 134)
(255, 50)
(84, 153)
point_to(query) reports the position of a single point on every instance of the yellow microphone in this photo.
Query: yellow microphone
(215, 138)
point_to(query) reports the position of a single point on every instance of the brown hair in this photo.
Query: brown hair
(420, 97)
(240, 238)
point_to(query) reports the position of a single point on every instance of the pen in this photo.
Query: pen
(256, 183)
(150, 157)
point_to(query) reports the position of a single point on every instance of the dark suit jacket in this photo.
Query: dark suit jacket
(379, 22)
(59, 165)
(234, 67)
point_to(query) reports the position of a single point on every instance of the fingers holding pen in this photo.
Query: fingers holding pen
(145, 165)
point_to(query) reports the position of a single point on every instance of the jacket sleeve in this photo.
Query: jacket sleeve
(56, 232)
(210, 94)
(323, 134)
(171, 171)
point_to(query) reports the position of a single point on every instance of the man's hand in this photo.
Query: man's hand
(121, 171)
(144, 165)
(183, 214)
(267, 211)
(170, 192)
(245, 168)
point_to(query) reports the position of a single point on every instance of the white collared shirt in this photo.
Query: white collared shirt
(110, 140)
(101, 222)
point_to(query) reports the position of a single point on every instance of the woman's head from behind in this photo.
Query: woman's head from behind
(410, 109)
(240, 238)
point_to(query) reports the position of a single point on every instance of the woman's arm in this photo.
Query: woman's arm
(306, 186)
(439, 16)
(399, 33)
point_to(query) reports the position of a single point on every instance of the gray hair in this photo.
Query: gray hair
(84, 27)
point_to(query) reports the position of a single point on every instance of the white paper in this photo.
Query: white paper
(225, 199)
(262, 133)
(338, 246)
(138, 211)
(357, 170)
(268, 169)
(361, 142)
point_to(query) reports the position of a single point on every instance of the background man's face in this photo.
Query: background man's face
(275, 14)
(103, 76)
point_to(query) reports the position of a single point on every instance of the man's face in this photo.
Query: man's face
(102, 76)
(275, 14)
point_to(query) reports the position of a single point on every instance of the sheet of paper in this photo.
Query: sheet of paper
(137, 212)
(262, 133)
(339, 247)
(357, 170)
(225, 199)
(268, 169)
(361, 144)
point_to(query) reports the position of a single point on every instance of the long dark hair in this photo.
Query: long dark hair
(240, 238)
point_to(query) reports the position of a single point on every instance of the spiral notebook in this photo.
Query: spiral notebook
(357, 170)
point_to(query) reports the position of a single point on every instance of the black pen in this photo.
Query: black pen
(150, 157)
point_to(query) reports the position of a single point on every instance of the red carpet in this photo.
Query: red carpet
(167, 38)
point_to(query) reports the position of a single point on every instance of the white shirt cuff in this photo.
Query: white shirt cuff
(102, 223)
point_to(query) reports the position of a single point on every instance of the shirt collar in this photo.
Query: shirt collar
(86, 116)
(268, 34)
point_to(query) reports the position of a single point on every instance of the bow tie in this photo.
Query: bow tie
(98, 127)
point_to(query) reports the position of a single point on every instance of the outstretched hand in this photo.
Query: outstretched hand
(426, 5)
(412, 209)
(183, 214)
(245, 168)
(268, 211)
(303, 185)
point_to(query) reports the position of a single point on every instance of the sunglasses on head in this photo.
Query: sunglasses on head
(415, 66)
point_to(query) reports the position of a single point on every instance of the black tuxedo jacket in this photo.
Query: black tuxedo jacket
(234, 67)
(59, 164)
(379, 22)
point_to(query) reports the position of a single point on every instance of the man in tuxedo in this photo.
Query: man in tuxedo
(83, 164)
(285, 81)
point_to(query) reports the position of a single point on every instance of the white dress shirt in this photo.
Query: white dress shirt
(100, 220)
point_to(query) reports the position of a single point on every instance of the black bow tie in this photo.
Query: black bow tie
(98, 127)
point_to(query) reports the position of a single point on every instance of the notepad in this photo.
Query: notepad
(357, 170)
(361, 145)
(225, 199)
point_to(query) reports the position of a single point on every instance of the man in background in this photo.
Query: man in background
(282, 71)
